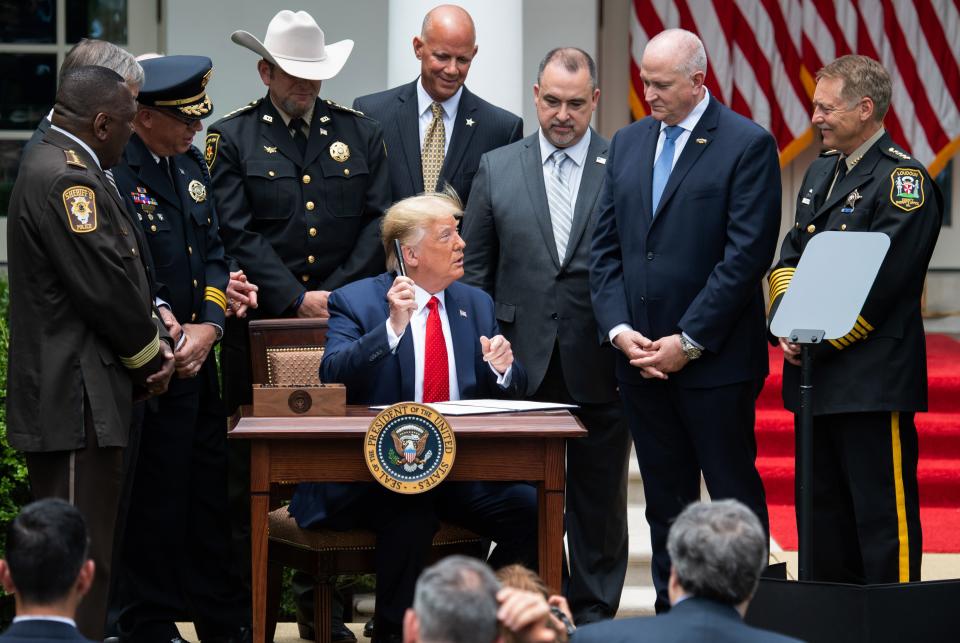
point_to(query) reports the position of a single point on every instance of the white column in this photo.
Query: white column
(496, 74)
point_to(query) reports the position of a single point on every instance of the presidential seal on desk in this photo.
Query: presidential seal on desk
(409, 448)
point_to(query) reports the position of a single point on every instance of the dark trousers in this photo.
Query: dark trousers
(866, 508)
(177, 561)
(504, 512)
(596, 502)
(91, 479)
(679, 433)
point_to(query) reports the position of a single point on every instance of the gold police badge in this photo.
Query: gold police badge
(81, 206)
(339, 152)
(409, 448)
(197, 191)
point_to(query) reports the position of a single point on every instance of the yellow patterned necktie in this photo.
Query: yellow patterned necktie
(433, 143)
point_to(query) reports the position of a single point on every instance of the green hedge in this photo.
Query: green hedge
(14, 488)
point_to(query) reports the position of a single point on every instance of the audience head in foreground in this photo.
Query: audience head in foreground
(460, 600)
(47, 567)
(718, 551)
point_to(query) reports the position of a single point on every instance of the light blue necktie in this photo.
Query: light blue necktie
(664, 164)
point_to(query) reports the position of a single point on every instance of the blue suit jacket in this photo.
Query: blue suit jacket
(690, 621)
(358, 355)
(39, 630)
(697, 266)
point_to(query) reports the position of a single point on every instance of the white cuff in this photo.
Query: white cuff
(393, 340)
(616, 330)
(503, 381)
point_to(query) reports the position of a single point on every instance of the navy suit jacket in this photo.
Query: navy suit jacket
(697, 266)
(692, 620)
(489, 127)
(40, 630)
(358, 355)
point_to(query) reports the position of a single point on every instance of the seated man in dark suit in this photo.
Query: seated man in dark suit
(421, 337)
(48, 570)
(717, 552)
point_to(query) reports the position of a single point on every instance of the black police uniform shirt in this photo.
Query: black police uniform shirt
(296, 222)
(177, 214)
(880, 365)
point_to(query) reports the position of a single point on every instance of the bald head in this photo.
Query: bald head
(682, 48)
(448, 17)
(673, 69)
(445, 48)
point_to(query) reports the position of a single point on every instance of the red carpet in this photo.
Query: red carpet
(938, 470)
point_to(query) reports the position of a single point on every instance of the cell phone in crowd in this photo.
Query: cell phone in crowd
(402, 269)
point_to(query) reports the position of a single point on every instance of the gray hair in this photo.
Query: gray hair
(101, 53)
(456, 601)
(573, 60)
(691, 55)
(862, 77)
(718, 550)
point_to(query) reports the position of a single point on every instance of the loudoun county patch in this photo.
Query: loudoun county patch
(81, 206)
(409, 448)
(906, 188)
(211, 145)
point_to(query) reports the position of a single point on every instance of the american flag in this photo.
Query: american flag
(763, 56)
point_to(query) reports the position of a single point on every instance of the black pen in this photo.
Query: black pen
(402, 269)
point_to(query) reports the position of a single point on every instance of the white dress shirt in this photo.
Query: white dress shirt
(418, 326)
(576, 153)
(450, 107)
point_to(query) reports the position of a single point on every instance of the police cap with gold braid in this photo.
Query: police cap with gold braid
(177, 84)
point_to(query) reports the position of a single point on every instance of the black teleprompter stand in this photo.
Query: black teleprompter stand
(825, 297)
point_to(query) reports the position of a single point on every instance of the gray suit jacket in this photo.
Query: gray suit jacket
(511, 253)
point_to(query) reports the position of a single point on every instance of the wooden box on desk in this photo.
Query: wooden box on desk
(294, 401)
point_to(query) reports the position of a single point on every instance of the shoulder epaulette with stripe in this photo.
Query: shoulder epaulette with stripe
(241, 110)
(344, 108)
(829, 152)
(896, 153)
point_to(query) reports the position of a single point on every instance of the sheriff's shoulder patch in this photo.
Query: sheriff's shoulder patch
(906, 188)
(73, 160)
(409, 448)
(210, 149)
(81, 207)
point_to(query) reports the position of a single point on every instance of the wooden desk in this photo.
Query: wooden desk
(518, 446)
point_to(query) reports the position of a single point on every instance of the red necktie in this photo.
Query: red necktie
(436, 373)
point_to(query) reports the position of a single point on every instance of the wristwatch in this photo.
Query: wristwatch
(689, 349)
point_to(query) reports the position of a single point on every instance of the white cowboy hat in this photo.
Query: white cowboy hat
(294, 42)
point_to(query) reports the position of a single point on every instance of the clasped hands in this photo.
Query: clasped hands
(655, 359)
(402, 301)
(192, 352)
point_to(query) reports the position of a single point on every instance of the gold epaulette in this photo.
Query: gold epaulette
(240, 110)
(344, 108)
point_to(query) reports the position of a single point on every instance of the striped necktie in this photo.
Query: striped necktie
(113, 182)
(558, 198)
